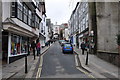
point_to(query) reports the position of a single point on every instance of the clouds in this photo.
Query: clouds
(58, 10)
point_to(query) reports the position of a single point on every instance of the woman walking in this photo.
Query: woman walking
(38, 47)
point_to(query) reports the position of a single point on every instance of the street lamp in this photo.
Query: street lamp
(91, 34)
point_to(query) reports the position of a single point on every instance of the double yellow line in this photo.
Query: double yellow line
(39, 67)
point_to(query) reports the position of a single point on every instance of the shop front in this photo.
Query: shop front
(14, 46)
(16, 39)
(84, 37)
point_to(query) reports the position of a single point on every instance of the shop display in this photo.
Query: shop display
(18, 45)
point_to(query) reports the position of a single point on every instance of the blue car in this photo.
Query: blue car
(67, 48)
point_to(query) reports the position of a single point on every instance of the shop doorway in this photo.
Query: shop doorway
(4, 47)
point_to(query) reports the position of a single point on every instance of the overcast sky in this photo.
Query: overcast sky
(59, 10)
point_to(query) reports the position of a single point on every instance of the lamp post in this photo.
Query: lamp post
(89, 50)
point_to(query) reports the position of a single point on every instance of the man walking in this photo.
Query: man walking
(33, 46)
(83, 47)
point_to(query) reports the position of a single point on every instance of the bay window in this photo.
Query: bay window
(29, 17)
(19, 11)
(25, 14)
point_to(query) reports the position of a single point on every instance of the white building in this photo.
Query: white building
(56, 31)
(21, 22)
(42, 36)
(66, 34)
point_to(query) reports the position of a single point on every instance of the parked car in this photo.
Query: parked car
(67, 48)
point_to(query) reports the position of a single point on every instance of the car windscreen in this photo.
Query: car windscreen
(67, 45)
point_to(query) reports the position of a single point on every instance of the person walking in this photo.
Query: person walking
(83, 47)
(33, 46)
(38, 47)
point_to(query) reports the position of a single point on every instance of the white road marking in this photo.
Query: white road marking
(76, 63)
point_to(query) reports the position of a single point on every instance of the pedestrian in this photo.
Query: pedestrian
(33, 46)
(83, 47)
(49, 42)
(38, 48)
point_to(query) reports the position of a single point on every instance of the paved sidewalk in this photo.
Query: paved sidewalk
(17, 68)
(98, 67)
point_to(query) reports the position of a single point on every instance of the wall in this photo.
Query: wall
(5, 10)
(107, 26)
(0, 40)
(0, 31)
(107, 29)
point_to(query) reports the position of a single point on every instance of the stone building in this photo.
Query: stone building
(105, 30)
(102, 18)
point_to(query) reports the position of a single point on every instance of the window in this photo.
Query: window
(19, 44)
(24, 47)
(37, 20)
(13, 9)
(86, 5)
(22, 12)
(15, 44)
(87, 20)
(68, 45)
(81, 25)
(84, 23)
(83, 7)
(42, 27)
(19, 10)
(29, 17)
(25, 13)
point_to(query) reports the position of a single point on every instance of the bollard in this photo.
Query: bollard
(34, 54)
(26, 63)
(86, 58)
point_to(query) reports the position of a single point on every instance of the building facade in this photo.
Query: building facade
(79, 24)
(64, 31)
(50, 28)
(43, 28)
(0, 30)
(107, 19)
(56, 31)
(98, 26)
(21, 23)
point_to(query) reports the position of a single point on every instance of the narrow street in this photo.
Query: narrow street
(36, 34)
(59, 65)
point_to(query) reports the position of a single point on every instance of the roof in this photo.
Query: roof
(9, 20)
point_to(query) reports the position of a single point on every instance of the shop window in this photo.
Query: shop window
(24, 47)
(15, 44)
(18, 45)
